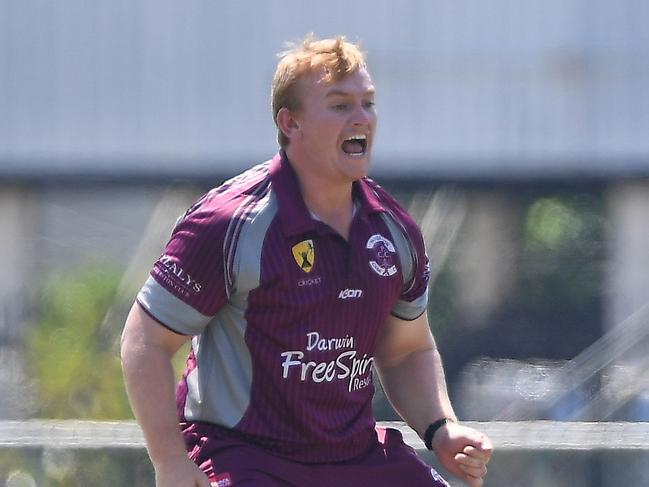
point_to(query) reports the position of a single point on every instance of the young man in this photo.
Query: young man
(293, 280)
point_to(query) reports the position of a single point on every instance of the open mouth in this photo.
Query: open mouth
(356, 145)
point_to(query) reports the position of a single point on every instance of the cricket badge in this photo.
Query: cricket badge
(304, 255)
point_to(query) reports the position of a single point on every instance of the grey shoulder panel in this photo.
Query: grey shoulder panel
(247, 255)
(404, 249)
(219, 388)
(170, 310)
(406, 310)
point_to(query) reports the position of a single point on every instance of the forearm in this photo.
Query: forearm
(416, 388)
(149, 379)
(412, 374)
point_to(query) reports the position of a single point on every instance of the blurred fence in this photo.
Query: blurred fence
(516, 435)
(531, 454)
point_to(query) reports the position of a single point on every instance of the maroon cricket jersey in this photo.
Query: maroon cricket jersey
(284, 312)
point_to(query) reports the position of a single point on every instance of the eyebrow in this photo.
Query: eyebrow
(336, 92)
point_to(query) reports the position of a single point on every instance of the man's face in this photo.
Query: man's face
(337, 121)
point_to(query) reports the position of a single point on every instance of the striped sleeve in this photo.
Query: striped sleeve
(186, 287)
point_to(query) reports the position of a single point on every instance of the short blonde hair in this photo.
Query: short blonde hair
(336, 56)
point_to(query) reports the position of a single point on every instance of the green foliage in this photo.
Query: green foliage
(53, 467)
(12, 462)
(105, 468)
(562, 253)
(555, 308)
(552, 222)
(72, 352)
(74, 362)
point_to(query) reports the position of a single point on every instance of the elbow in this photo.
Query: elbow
(125, 347)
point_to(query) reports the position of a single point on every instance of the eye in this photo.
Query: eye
(369, 104)
(341, 107)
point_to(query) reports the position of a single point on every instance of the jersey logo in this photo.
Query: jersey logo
(304, 255)
(438, 478)
(350, 293)
(222, 480)
(382, 255)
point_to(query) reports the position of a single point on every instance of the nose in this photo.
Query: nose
(362, 115)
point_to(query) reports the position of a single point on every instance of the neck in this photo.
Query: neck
(331, 203)
(334, 206)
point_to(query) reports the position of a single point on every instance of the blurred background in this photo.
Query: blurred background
(516, 132)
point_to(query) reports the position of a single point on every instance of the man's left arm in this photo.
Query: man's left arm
(411, 372)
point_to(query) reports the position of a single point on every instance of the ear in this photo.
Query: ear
(287, 123)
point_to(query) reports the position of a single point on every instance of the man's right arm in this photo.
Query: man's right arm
(147, 348)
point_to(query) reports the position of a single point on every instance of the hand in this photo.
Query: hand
(179, 472)
(464, 452)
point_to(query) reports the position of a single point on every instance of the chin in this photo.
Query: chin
(358, 170)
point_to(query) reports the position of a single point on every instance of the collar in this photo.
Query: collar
(293, 213)
(366, 195)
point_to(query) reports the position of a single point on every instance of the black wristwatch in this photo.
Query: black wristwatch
(432, 429)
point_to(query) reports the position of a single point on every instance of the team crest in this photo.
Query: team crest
(304, 255)
(382, 255)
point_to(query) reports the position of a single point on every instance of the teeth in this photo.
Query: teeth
(357, 137)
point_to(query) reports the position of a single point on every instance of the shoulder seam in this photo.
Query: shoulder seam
(233, 231)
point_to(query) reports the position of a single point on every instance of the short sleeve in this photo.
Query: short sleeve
(414, 297)
(415, 266)
(186, 287)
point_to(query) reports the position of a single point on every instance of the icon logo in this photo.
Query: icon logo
(382, 255)
(304, 255)
(350, 293)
